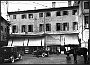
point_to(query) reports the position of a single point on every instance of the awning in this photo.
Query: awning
(17, 42)
(71, 40)
(36, 42)
(9, 42)
(25, 42)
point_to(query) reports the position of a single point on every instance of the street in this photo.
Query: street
(52, 59)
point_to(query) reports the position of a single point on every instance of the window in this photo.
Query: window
(75, 26)
(86, 21)
(30, 28)
(14, 29)
(58, 26)
(58, 13)
(65, 12)
(74, 12)
(65, 26)
(48, 14)
(5, 29)
(23, 28)
(2, 28)
(48, 27)
(23, 16)
(30, 16)
(41, 27)
(86, 5)
(40, 14)
(14, 16)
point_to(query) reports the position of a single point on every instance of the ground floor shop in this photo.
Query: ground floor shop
(52, 42)
(61, 43)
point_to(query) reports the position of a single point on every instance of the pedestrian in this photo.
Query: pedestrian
(37, 54)
(57, 51)
(68, 59)
(75, 55)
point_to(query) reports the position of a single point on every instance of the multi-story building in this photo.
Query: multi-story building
(83, 19)
(52, 28)
(4, 32)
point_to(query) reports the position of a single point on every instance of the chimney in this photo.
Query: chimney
(69, 3)
(53, 4)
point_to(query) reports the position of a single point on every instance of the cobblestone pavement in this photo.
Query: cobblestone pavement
(52, 59)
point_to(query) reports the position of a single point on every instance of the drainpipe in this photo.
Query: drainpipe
(82, 18)
(44, 33)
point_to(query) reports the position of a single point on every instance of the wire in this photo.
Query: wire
(40, 4)
(61, 2)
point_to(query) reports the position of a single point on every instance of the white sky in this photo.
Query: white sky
(28, 5)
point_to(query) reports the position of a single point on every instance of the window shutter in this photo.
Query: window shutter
(16, 29)
(25, 28)
(68, 26)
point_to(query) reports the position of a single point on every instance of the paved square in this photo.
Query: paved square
(52, 59)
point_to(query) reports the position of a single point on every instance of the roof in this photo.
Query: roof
(44, 10)
(3, 20)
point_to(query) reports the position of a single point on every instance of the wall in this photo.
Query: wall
(52, 20)
(83, 33)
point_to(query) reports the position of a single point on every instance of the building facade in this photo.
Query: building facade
(4, 32)
(83, 19)
(52, 28)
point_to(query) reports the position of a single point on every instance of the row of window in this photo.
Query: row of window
(59, 27)
(47, 14)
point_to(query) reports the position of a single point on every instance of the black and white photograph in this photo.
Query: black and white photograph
(44, 32)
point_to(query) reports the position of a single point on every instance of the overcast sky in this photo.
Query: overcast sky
(29, 5)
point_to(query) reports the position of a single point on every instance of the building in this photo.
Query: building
(4, 32)
(83, 19)
(52, 28)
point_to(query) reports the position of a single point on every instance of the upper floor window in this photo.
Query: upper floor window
(86, 5)
(14, 16)
(58, 26)
(86, 19)
(5, 29)
(41, 27)
(74, 12)
(30, 28)
(30, 16)
(24, 16)
(40, 14)
(48, 27)
(48, 14)
(65, 26)
(14, 29)
(75, 26)
(1, 28)
(23, 28)
(58, 13)
(65, 12)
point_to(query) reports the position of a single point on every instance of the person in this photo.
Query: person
(37, 53)
(57, 51)
(75, 55)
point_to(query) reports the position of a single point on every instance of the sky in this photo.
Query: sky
(28, 5)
